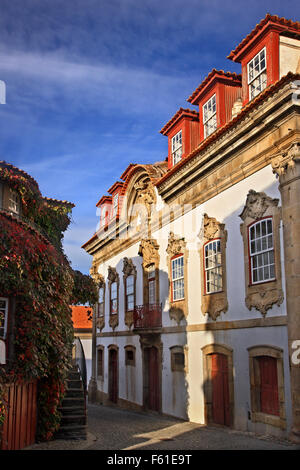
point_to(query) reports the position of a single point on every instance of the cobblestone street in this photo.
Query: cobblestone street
(115, 429)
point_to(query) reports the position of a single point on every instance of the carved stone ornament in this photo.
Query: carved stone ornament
(100, 323)
(113, 321)
(263, 300)
(176, 245)
(128, 267)
(257, 204)
(112, 274)
(145, 194)
(176, 313)
(287, 160)
(149, 251)
(98, 278)
(211, 226)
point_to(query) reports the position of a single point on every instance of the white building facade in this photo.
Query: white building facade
(197, 258)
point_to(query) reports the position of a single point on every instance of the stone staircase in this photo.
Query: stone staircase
(73, 424)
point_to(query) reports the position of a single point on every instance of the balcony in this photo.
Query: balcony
(147, 316)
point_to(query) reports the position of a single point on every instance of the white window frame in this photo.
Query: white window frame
(4, 327)
(151, 285)
(177, 273)
(257, 82)
(115, 204)
(101, 301)
(213, 268)
(209, 110)
(114, 285)
(261, 252)
(177, 149)
(14, 201)
(129, 294)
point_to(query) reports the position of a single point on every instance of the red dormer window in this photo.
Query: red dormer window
(177, 147)
(210, 116)
(257, 74)
(183, 135)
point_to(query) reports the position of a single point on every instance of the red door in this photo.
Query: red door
(269, 402)
(153, 391)
(113, 375)
(220, 389)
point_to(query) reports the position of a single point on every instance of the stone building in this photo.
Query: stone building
(197, 257)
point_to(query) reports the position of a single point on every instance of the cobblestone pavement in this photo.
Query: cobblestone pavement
(114, 429)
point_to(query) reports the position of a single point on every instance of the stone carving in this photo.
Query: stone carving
(98, 278)
(149, 251)
(100, 323)
(281, 163)
(176, 245)
(263, 300)
(257, 204)
(145, 195)
(128, 270)
(176, 313)
(211, 227)
(128, 267)
(112, 274)
(113, 321)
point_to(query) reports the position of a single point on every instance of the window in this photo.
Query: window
(257, 74)
(114, 298)
(178, 359)
(213, 266)
(100, 362)
(3, 316)
(101, 302)
(13, 201)
(115, 204)
(177, 271)
(129, 293)
(151, 284)
(177, 147)
(129, 355)
(210, 116)
(261, 251)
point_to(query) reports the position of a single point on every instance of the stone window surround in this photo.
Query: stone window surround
(207, 351)
(5, 322)
(129, 270)
(149, 250)
(100, 376)
(178, 309)
(181, 350)
(256, 414)
(113, 276)
(213, 303)
(262, 296)
(130, 362)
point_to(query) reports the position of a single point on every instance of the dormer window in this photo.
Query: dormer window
(210, 116)
(115, 204)
(177, 147)
(257, 74)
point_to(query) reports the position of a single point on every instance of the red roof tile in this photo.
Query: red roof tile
(180, 113)
(284, 24)
(221, 130)
(82, 317)
(213, 74)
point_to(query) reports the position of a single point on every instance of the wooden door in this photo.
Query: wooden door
(113, 375)
(269, 402)
(153, 379)
(220, 390)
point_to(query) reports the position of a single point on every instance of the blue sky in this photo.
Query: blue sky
(90, 83)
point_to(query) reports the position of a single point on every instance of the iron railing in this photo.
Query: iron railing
(147, 316)
(79, 360)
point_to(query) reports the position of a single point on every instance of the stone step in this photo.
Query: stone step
(74, 376)
(72, 410)
(73, 401)
(74, 383)
(68, 420)
(72, 432)
(74, 392)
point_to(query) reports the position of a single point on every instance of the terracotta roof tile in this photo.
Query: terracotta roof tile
(221, 130)
(82, 317)
(214, 73)
(283, 22)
